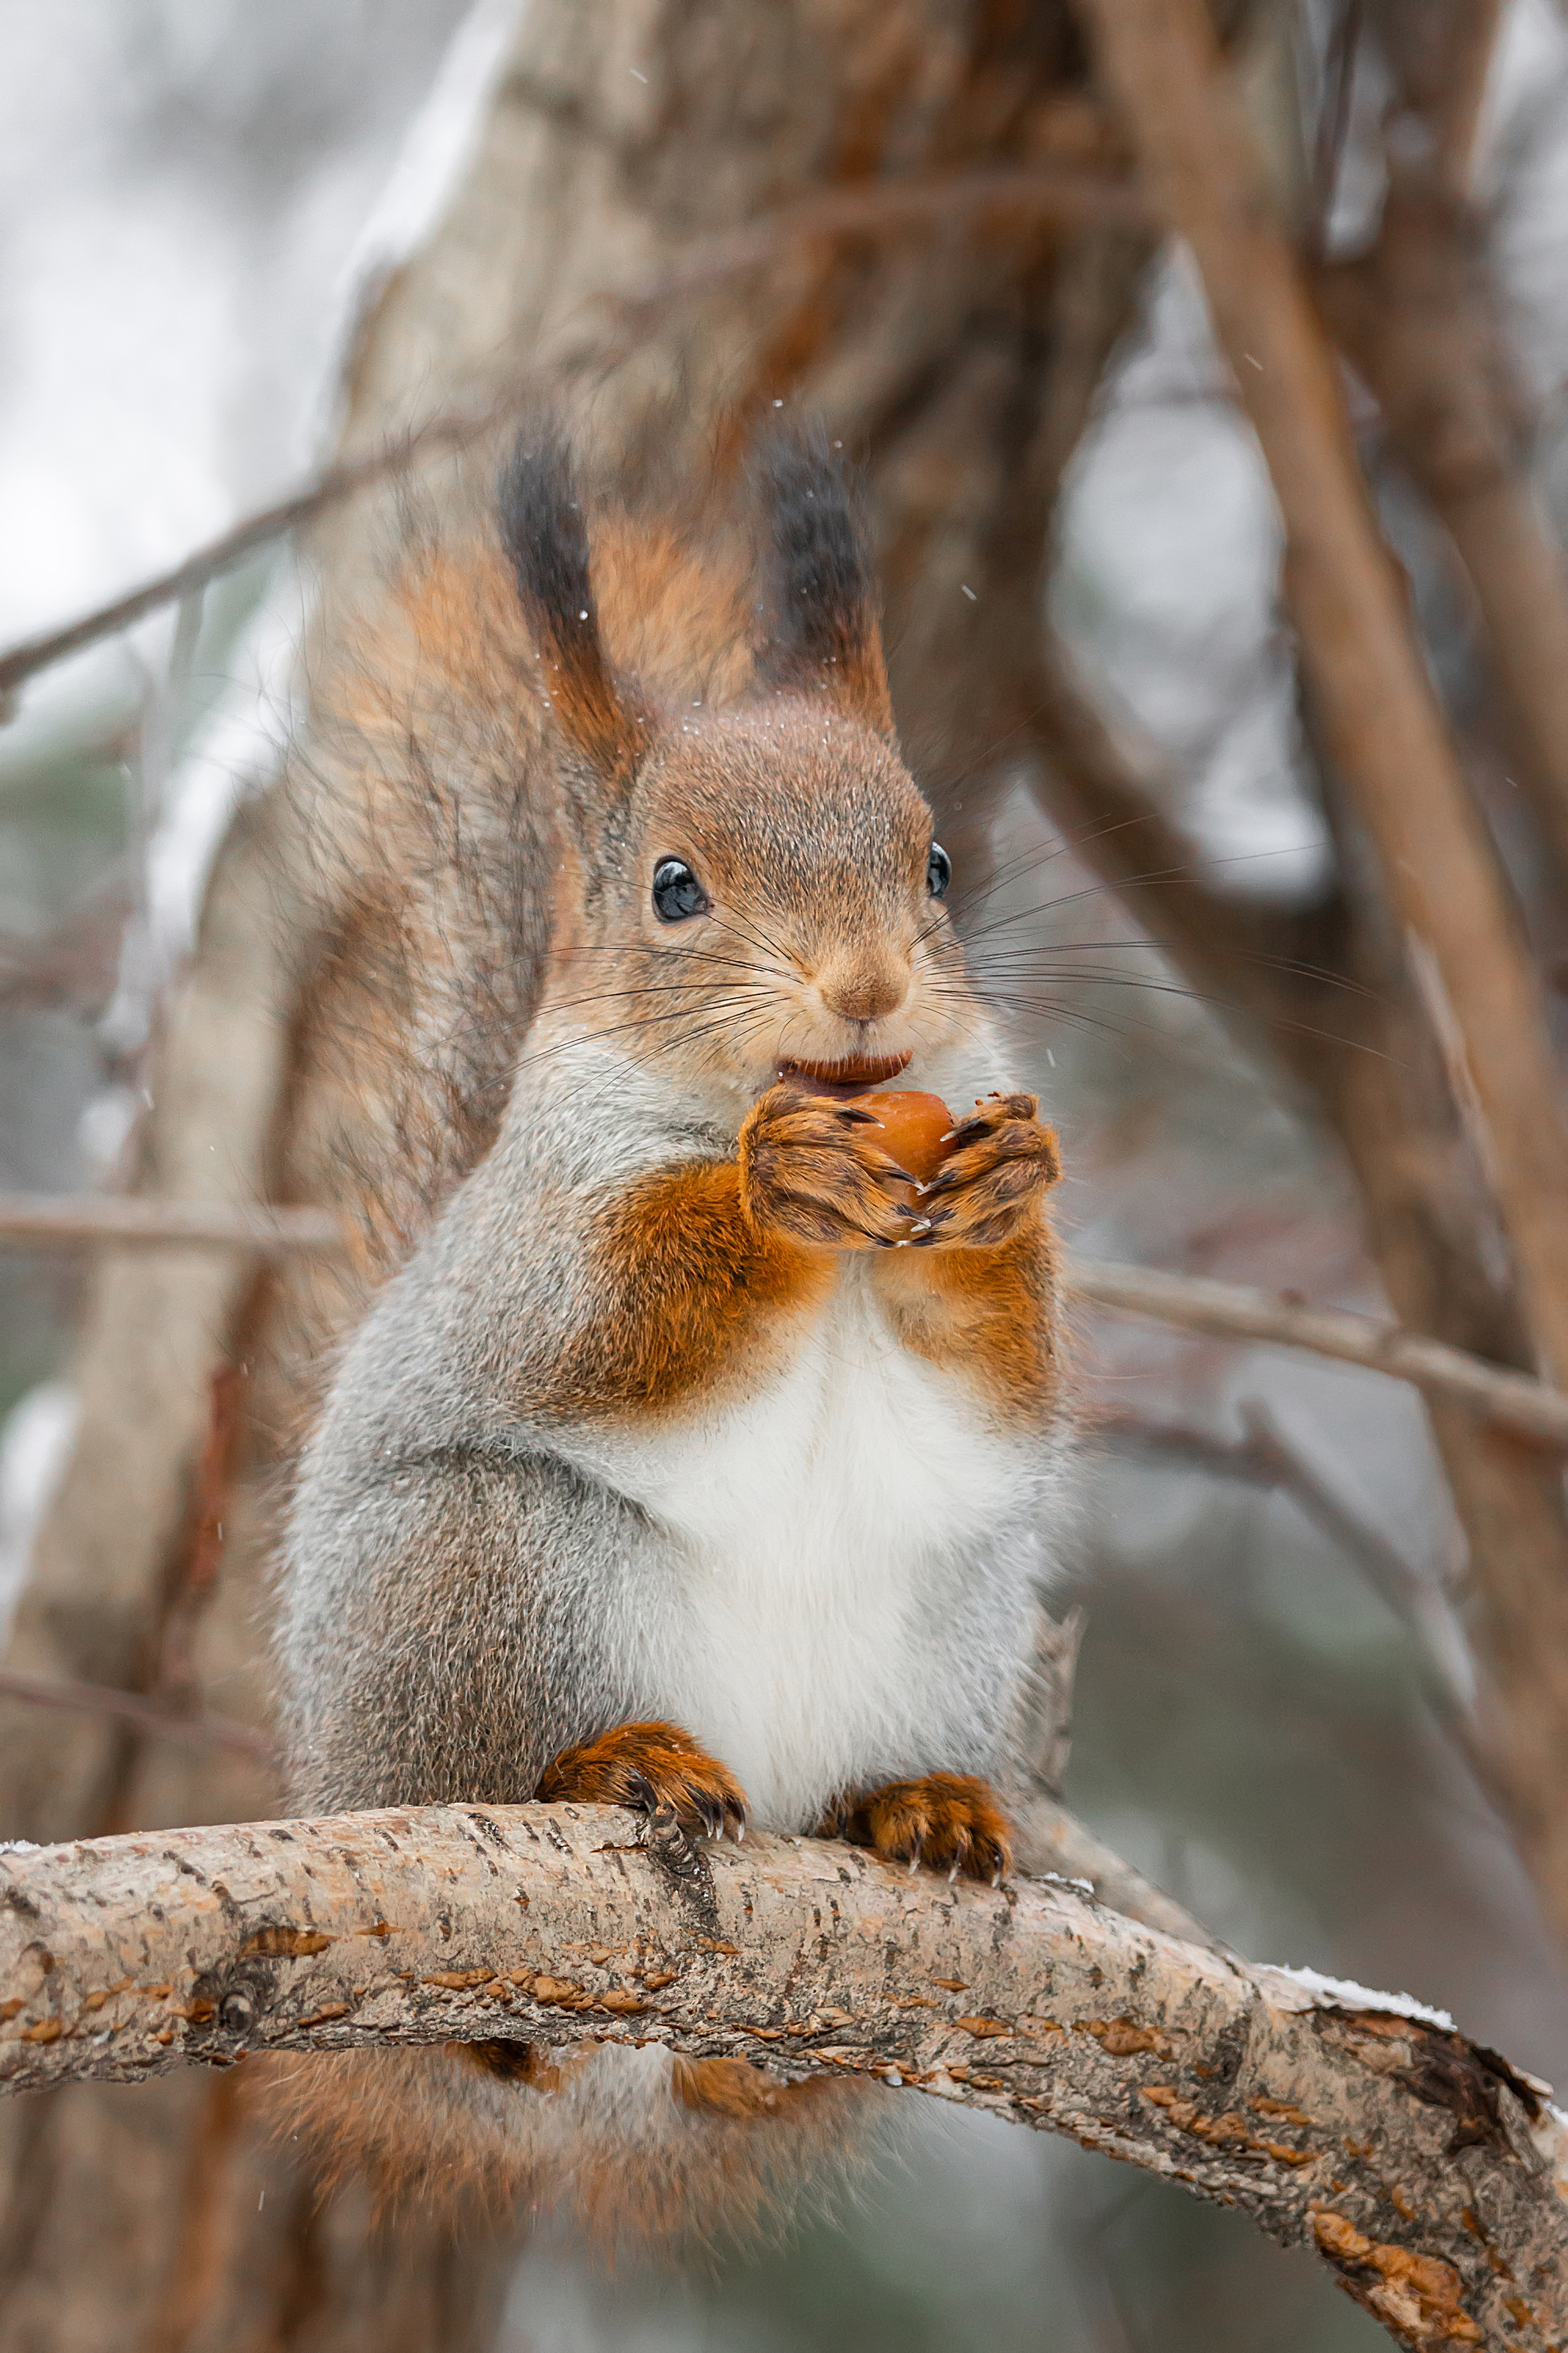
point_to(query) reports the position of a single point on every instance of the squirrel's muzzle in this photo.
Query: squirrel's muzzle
(866, 984)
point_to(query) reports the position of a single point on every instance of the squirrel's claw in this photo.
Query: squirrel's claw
(948, 1822)
(815, 1171)
(999, 1162)
(648, 1766)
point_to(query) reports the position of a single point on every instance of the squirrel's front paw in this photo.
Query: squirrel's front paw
(814, 1170)
(999, 1162)
(949, 1822)
(647, 1766)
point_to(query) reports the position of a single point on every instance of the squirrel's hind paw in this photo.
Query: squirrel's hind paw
(650, 1767)
(948, 1822)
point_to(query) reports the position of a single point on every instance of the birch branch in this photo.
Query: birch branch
(1425, 2172)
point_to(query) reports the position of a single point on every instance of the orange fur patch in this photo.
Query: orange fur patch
(733, 2087)
(693, 1295)
(990, 1315)
(676, 616)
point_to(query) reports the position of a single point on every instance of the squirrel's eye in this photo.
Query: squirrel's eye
(677, 893)
(939, 871)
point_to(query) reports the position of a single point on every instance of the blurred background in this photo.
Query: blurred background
(194, 197)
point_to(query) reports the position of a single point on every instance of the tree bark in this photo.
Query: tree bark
(1426, 2172)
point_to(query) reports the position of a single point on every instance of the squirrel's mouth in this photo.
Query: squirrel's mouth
(851, 1076)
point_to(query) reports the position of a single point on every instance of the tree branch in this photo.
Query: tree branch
(1369, 682)
(1229, 1311)
(1330, 994)
(1422, 320)
(41, 1220)
(1419, 2165)
(198, 1728)
(1056, 189)
(1263, 1457)
(1234, 1311)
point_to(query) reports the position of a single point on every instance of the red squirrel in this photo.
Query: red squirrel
(683, 1459)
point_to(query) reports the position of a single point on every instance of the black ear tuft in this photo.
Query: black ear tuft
(543, 533)
(827, 634)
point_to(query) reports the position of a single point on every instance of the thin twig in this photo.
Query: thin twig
(1066, 190)
(1333, 117)
(1234, 1311)
(1463, 64)
(329, 489)
(211, 1504)
(202, 1730)
(41, 1220)
(1264, 1457)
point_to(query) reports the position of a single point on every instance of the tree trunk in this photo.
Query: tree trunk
(615, 137)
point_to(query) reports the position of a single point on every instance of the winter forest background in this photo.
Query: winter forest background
(193, 194)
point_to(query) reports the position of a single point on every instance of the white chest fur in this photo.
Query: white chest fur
(850, 1552)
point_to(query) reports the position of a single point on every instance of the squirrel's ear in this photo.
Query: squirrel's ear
(543, 534)
(827, 634)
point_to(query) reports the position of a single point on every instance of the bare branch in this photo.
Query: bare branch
(198, 1729)
(1226, 1310)
(1420, 2167)
(1061, 190)
(1234, 1311)
(1331, 993)
(43, 1220)
(1264, 1457)
(1368, 678)
(20, 662)
(1333, 115)
(1424, 320)
(1441, 53)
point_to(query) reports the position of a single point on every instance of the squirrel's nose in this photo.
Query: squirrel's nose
(865, 985)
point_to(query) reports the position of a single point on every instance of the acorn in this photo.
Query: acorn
(913, 1129)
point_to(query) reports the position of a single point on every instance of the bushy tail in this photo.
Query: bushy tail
(425, 792)
(442, 859)
(633, 2149)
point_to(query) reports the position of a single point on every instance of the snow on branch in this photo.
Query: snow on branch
(1427, 2172)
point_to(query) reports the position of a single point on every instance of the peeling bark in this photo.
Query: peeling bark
(1426, 2171)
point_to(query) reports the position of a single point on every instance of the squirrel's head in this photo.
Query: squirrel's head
(761, 890)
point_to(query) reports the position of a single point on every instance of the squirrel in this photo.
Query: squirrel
(679, 1461)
